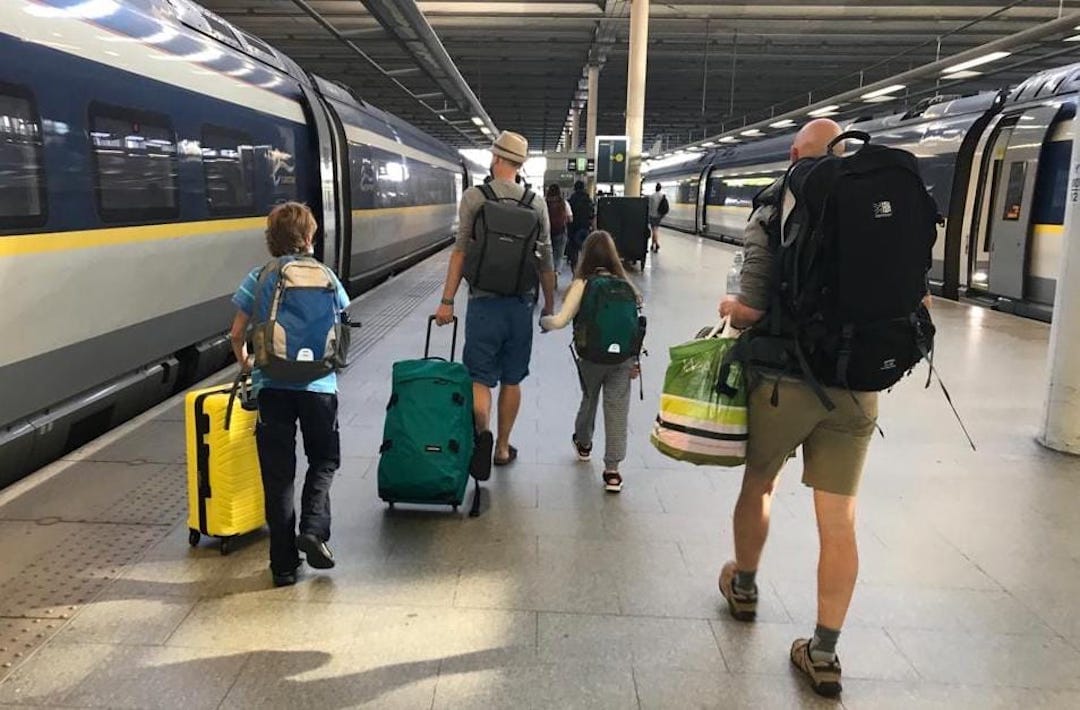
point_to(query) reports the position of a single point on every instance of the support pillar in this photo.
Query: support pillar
(575, 130)
(590, 121)
(635, 93)
(1060, 426)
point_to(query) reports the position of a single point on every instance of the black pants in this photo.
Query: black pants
(574, 243)
(275, 435)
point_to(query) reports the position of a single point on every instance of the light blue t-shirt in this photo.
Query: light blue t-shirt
(244, 299)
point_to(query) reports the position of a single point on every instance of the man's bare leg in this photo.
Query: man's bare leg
(509, 404)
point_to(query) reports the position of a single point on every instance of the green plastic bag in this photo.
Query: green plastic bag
(697, 422)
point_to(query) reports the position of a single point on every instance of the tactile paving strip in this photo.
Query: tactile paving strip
(160, 500)
(19, 638)
(49, 591)
(385, 307)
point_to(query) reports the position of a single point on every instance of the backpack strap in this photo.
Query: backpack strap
(487, 192)
(527, 199)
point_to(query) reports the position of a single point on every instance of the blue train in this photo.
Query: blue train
(997, 163)
(142, 143)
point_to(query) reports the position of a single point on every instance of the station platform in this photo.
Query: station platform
(559, 595)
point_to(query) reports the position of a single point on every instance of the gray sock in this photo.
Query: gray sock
(823, 645)
(744, 581)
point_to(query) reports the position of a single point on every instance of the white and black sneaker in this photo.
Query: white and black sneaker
(317, 552)
(584, 454)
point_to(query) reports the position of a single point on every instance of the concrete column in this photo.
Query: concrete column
(635, 93)
(590, 121)
(1060, 427)
(575, 130)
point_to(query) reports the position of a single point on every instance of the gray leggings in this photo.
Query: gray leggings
(614, 380)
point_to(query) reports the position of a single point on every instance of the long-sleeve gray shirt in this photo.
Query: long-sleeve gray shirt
(471, 202)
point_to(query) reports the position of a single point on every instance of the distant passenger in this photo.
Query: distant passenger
(290, 235)
(604, 306)
(785, 413)
(499, 324)
(560, 215)
(583, 221)
(658, 209)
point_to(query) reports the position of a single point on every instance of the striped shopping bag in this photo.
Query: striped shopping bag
(697, 423)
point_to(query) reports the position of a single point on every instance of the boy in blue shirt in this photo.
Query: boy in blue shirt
(290, 232)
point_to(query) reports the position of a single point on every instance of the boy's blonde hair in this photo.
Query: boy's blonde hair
(287, 228)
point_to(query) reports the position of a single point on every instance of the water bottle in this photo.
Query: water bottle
(734, 276)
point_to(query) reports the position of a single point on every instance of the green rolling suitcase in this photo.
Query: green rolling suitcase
(428, 432)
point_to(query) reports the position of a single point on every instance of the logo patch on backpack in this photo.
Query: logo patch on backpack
(883, 209)
(432, 449)
(889, 364)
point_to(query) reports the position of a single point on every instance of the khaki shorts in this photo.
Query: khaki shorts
(834, 443)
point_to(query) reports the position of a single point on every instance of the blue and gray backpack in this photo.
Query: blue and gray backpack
(298, 332)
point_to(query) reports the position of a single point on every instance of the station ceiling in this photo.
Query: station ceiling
(711, 62)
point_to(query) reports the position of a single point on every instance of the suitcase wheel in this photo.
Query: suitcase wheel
(193, 537)
(455, 507)
(226, 545)
(390, 505)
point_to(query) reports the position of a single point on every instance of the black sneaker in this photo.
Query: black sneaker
(584, 454)
(317, 552)
(286, 580)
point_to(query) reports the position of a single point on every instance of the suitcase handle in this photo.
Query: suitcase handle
(241, 386)
(427, 342)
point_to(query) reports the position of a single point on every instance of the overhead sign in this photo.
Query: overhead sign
(611, 159)
(579, 165)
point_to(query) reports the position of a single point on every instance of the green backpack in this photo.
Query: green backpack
(609, 327)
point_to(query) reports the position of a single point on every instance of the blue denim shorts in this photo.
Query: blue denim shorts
(498, 339)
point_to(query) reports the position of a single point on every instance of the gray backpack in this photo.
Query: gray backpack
(502, 257)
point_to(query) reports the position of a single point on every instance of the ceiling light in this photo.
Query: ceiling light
(1074, 38)
(977, 61)
(485, 130)
(824, 111)
(729, 139)
(709, 144)
(964, 74)
(753, 132)
(477, 120)
(881, 92)
(880, 99)
(786, 123)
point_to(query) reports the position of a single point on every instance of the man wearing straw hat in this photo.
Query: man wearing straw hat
(498, 328)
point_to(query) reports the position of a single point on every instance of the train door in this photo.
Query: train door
(1014, 157)
(700, 205)
(989, 175)
(335, 217)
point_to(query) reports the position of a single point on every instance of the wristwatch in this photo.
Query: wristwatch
(447, 301)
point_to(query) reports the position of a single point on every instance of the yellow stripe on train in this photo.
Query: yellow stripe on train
(41, 243)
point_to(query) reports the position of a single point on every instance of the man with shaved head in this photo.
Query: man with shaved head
(786, 413)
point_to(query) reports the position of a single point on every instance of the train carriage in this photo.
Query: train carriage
(142, 143)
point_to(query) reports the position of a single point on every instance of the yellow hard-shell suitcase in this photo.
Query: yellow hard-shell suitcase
(225, 492)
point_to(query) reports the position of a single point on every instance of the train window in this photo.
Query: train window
(22, 179)
(1014, 191)
(1051, 183)
(135, 159)
(229, 168)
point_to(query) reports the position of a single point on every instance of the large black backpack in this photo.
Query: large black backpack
(851, 264)
(502, 257)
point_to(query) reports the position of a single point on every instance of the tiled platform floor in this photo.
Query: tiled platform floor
(560, 596)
